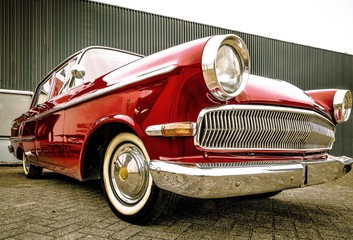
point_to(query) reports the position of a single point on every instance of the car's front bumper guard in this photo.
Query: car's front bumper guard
(218, 182)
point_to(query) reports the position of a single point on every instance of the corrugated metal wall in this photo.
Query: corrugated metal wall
(36, 35)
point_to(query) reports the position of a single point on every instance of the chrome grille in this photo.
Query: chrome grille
(253, 127)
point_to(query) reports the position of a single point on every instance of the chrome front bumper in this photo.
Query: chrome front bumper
(218, 181)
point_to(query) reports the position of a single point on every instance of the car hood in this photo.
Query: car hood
(262, 90)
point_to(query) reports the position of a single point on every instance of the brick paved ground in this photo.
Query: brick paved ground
(57, 207)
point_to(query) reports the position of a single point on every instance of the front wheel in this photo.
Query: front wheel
(31, 171)
(126, 180)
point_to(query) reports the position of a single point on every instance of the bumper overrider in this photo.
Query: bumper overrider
(229, 180)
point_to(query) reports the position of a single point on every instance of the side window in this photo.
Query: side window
(44, 91)
(64, 77)
(56, 83)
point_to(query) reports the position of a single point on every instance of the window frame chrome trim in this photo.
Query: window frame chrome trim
(78, 55)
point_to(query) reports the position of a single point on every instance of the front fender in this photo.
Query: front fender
(98, 135)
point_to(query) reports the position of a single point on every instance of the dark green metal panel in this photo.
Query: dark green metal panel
(36, 35)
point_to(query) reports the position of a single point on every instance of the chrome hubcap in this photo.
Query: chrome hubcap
(129, 173)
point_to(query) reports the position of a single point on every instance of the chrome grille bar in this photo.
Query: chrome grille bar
(255, 128)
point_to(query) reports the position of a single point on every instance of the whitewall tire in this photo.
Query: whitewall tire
(126, 180)
(31, 171)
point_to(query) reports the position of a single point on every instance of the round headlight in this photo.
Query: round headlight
(228, 69)
(342, 105)
(225, 66)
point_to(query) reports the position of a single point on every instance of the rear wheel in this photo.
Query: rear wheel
(126, 180)
(31, 171)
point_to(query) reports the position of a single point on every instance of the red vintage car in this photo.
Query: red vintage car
(189, 120)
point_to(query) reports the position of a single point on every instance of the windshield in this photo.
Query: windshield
(99, 61)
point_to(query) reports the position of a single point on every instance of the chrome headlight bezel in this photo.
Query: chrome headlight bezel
(209, 65)
(342, 105)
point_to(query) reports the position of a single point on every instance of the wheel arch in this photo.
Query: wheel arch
(98, 138)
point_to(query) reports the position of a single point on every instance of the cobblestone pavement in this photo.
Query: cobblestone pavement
(57, 207)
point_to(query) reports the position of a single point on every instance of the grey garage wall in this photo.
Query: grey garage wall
(36, 35)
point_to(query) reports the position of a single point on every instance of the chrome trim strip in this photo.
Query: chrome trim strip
(17, 92)
(154, 130)
(120, 84)
(217, 182)
(23, 139)
(154, 73)
(233, 136)
(44, 114)
(106, 90)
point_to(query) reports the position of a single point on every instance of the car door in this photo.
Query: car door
(26, 126)
(79, 118)
(49, 134)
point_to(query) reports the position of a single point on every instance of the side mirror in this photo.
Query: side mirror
(78, 71)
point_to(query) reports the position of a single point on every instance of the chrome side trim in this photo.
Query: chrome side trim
(51, 111)
(120, 84)
(17, 92)
(155, 72)
(154, 130)
(216, 182)
(109, 89)
(44, 114)
(23, 139)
